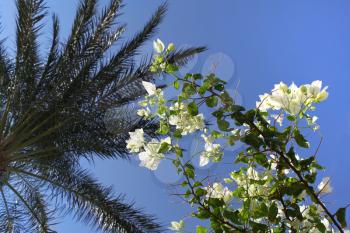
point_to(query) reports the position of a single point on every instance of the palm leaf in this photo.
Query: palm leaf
(68, 105)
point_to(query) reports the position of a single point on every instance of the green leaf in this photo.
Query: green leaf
(189, 89)
(197, 76)
(202, 214)
(201, 229)
(211, 101)
(261, 159)
(189, 173)
(223, 124)
(236, 108)
(177, 133)
(252, 140)
(219, 87)
(164, 147)
(200, 192)
(193, 108)
(178, 151)
(218, 113)
(259, 227)
(216, 202)
(226, 98)
(197, 184)
(273, 211)
(300, 140)
(170, 68)
(163, 128)
(340, 214)
(291, 118)
(176, 84)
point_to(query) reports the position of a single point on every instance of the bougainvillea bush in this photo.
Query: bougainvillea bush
(274, 188)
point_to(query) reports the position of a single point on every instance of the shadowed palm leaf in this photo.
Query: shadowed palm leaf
(57, 110)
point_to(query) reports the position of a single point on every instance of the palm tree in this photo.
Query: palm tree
(54, 112)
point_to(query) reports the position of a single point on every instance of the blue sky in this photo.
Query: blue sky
(256, 42)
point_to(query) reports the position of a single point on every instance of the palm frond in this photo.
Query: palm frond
(30, 13)
(68, 105)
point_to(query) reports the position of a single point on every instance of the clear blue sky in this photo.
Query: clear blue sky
(257, 42)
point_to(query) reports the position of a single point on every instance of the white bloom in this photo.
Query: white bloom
(150, 158)
(211, 150)
(315, 88)
(174, 119)
(203, 160)
(144, 112)
(323, 95)
(314, 91)
(217, 190)
(158, 46)
(177, 226)
(292, 99)
(198, 121)
(278, 118)
(281, 87)
(150, 88)
(252, 174)
(136, 140)
(294, 107)
(273, 162)
(264, 104)
(184, 120)
(325, 185)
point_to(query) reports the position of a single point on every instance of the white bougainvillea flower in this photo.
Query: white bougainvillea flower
(150, 158)
(264, 104)
(136, 140)
(203, 160)
(183, 120)
(314, 88)
(292, 99)
(211, 150)
(158, 46)
(217, 190)
(315, 91)
(282, 87)
(150, 88)
(177, 226)
(325, 185)
(323, 95)
(144, 112)
(278, 118)
(252, 174)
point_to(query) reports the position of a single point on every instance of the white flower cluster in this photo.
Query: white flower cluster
(184, 121)
(247, 180)
(211, 151)
(136, 141)
(149, 154)
(180, 117)
(217, 190)
(177, 226)
(292, 99)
